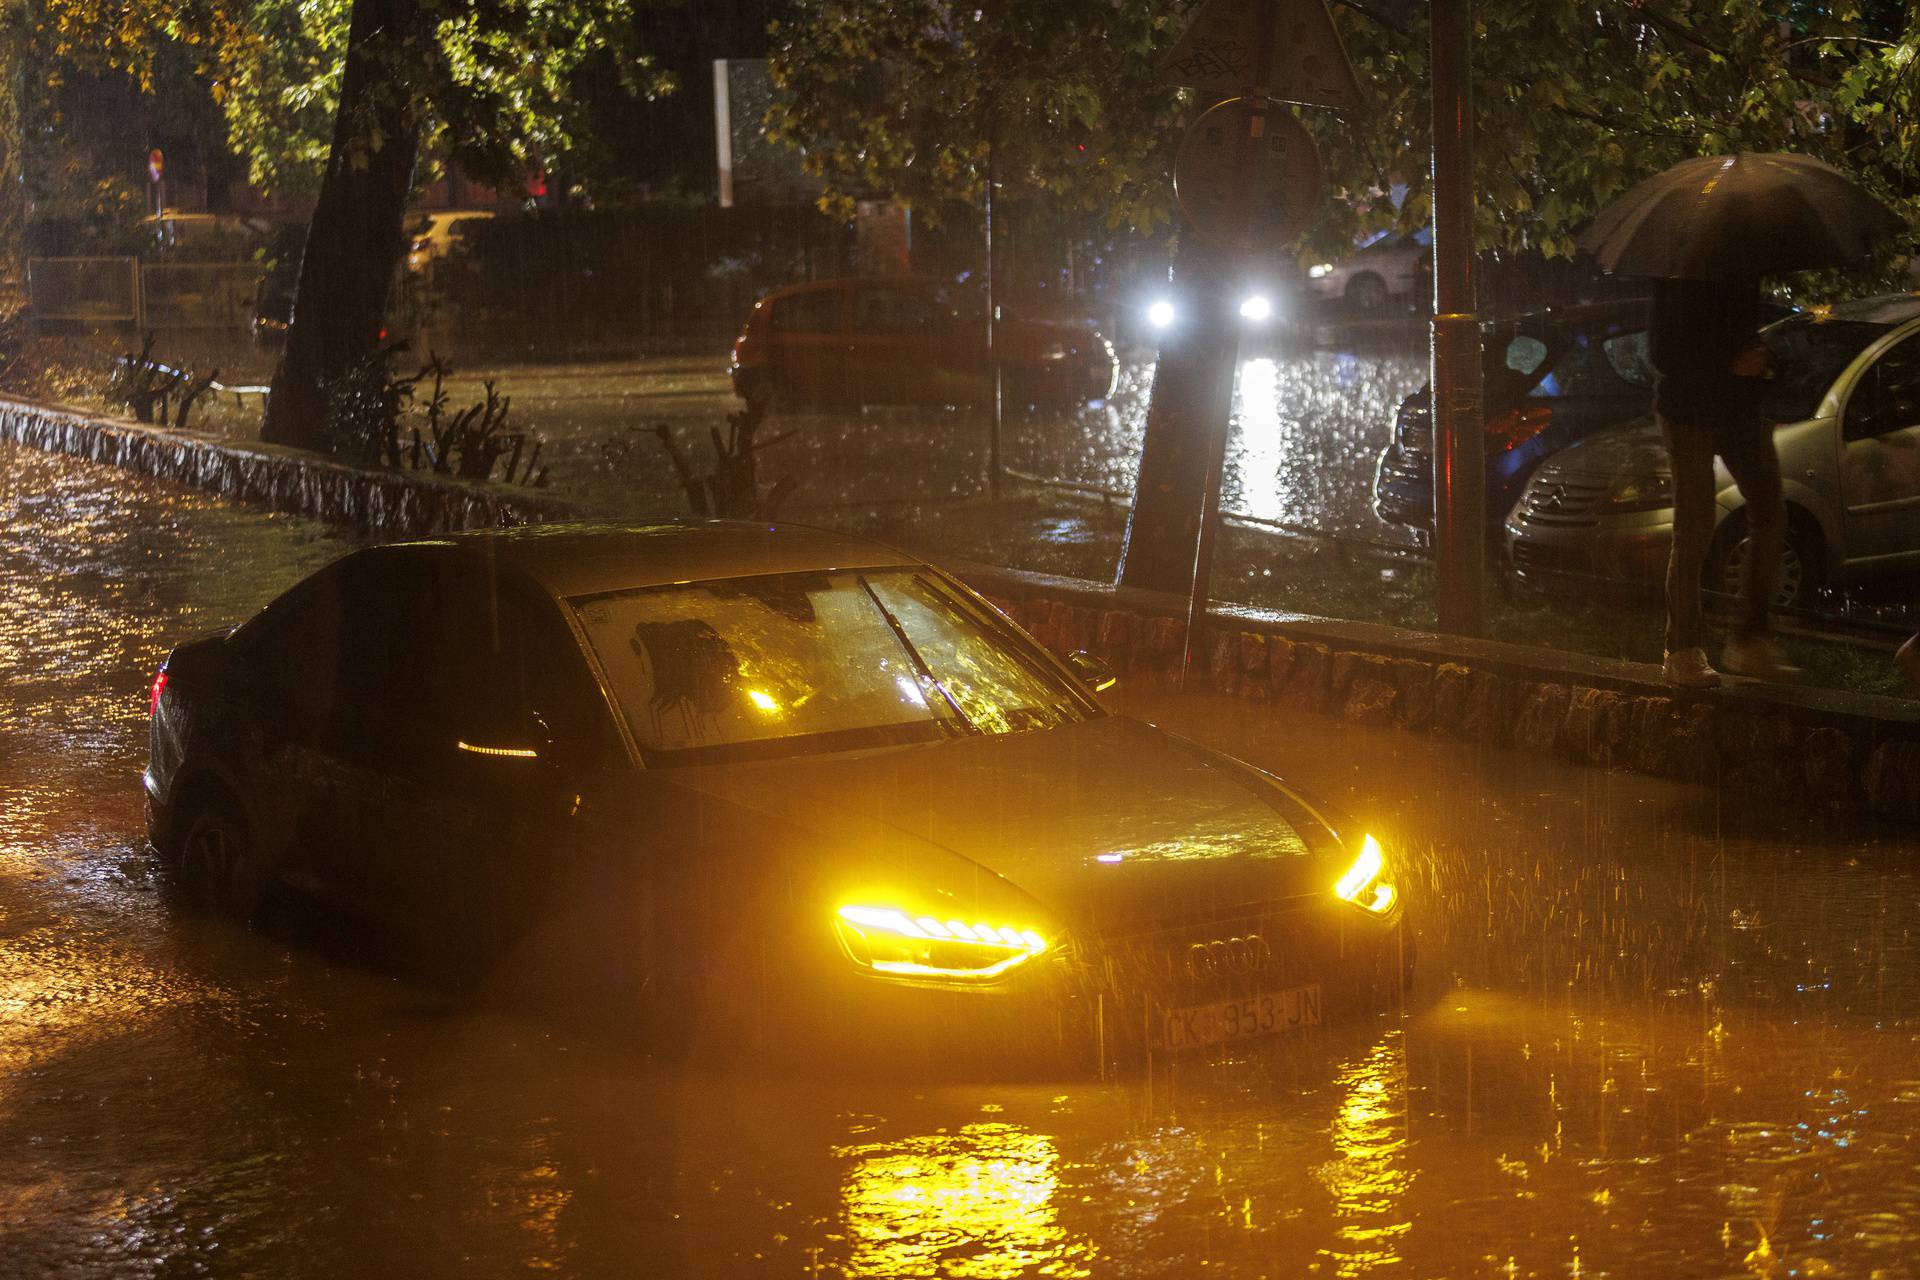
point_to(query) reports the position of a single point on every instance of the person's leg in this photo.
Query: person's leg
(1690, 454)
(1754, 463)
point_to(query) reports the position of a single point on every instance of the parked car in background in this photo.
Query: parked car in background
(909, 340)
(1846, 396)
(773, 785)
(1393, 267)
(1548, 379)
(433, 236)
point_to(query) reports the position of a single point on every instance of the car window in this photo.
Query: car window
(1628, 355)
(893, 311)
(1524, 353)
(790, 663)
(1887, 397)
(815, 312)
(1585, 368)
(1809, 352)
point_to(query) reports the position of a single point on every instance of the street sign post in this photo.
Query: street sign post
(1246, 176)
(1288, 49)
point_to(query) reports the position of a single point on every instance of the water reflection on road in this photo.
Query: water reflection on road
(1653, 1037)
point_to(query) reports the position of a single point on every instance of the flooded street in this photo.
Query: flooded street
(1308, 427)
(1651, 1036)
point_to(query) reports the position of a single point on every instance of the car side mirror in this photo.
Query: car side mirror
(524, 738)
(1094, 670)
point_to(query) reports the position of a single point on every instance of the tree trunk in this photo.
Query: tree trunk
(358, 234)
(1187, 415)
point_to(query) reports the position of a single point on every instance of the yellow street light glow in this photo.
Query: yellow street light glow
(1362, 884)
(763, 700)
(888, 941)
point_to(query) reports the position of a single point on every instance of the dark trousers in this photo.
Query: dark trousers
(1746, 446)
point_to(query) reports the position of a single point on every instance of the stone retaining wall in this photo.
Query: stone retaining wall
(1809, 748)
(390, 503)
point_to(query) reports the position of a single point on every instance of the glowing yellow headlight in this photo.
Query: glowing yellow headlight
(888, 941)
(1363, 884)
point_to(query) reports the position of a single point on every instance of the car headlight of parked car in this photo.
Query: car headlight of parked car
(1366, 885)
(1641, 493)
(891, 942)
(1319, 269)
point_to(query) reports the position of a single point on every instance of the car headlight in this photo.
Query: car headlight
(1319, 269)
(886, 940)
(1365, 885)
(1160, 313)
(1641, 493)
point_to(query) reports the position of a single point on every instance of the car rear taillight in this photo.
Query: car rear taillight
(1517, 426)
(153, 694)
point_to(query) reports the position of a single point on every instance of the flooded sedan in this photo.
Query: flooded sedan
(1655, 1035)
(767, 786)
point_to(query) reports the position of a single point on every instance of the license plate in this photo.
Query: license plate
(1228, 1021)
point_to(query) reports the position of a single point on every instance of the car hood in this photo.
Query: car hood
(1635, 449)
(1110, 824)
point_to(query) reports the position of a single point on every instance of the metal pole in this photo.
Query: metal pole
(1459, 455)
(993, 353)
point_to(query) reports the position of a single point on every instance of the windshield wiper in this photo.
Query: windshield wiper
(913, 656)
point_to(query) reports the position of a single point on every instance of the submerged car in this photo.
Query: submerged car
(909, 340)
(1548, 378)
(1846, 398)
(762, 783)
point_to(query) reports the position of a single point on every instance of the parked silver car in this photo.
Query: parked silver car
(1847, 401)
(1391, 267)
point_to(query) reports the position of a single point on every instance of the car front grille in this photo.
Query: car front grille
(1532, 557)
(1562, 502)
(1278, 946)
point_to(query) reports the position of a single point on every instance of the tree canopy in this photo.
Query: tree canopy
(492, 80)
(1573, 103)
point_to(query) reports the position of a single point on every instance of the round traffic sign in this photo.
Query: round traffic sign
(1247, 175)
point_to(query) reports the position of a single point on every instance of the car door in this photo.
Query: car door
(1880, 459)
(494, 749)
(894, 351)
(283, 716)
(808, 342)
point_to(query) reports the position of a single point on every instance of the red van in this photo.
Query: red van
(908, 340)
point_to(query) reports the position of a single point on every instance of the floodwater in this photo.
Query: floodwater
(1308, 427)
(1651, 1036)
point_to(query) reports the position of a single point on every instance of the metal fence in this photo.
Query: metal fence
(93, 290)
(152, 295)
(198, 295)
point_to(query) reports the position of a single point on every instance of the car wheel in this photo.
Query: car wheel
(1800, 563)
(218, 869)
(1367, 293)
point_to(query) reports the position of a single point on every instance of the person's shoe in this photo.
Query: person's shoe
(1690, 669)
(1908, 660)
(1759, 658)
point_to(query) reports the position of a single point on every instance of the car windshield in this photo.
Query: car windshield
(1811, 352)
(783, 664)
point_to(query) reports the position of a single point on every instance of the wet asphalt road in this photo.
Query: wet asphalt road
(1652, 1037)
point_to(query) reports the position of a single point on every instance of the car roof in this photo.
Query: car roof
(1885, 308)
(587, 559)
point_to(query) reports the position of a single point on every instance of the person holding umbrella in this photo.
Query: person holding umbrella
(1707, 229)
(1705, 346)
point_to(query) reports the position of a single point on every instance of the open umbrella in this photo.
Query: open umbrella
(1732, 217)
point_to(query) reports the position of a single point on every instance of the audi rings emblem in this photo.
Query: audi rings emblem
(1227, 957)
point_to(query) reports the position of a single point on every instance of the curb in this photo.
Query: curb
(1819, 750)
(390, 503)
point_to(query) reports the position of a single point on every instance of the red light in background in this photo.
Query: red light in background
(1517, 426)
